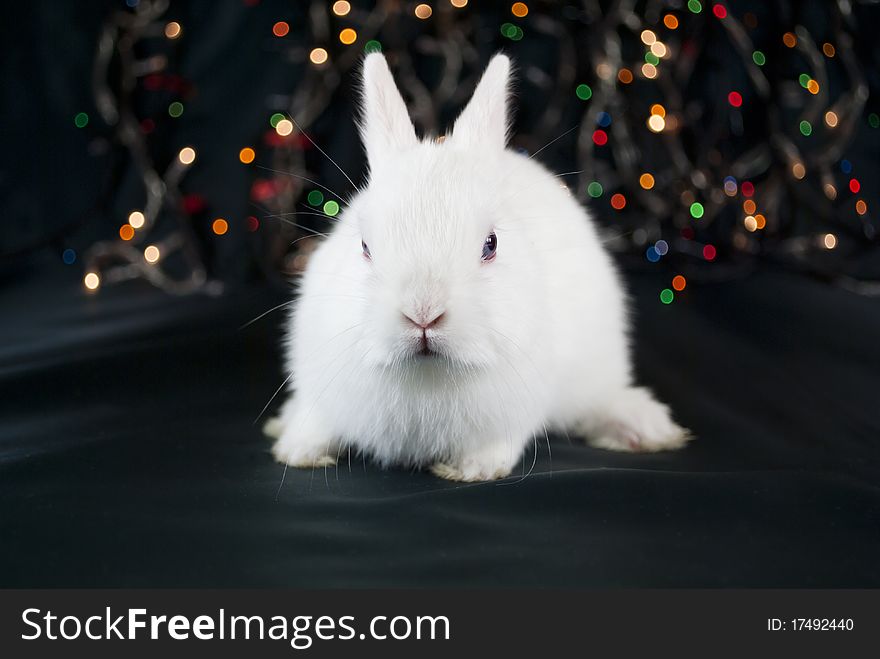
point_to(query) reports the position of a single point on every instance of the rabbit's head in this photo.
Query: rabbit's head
(444, 251)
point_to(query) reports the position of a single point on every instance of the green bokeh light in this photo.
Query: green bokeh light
(651, 58)
(175, 109)
(511, 31)
(695, 6)
(315, 197)
(804, 79)
(874, 120)
(81, 120)
(697, 210)
(594, 189)
(275, 118)
(583, 92)
(806, 128)
(373, 46)
(331, 208)
(759, 58)
(666, 296)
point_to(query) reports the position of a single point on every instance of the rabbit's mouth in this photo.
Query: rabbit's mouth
(425, 347)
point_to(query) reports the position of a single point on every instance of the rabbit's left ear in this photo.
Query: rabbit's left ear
(385, 124)
(484, 122)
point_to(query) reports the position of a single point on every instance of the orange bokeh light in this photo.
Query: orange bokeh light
(519, 9)
(220, 226)
(348, 36)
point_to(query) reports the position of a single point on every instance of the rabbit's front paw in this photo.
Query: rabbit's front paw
(273, 427)
(302, 439)
(304, 452)
(302, 457)
(635, 421)
(487, 463)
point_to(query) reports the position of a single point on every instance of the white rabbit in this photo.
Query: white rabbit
(462, 305)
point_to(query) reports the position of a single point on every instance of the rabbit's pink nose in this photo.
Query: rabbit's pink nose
(425, 324)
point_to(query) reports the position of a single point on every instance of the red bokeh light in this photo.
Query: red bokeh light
(193, 203)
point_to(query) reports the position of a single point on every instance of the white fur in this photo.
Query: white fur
(534, 340)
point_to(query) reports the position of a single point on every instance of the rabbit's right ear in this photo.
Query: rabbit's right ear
(385, 122)
(484, 122)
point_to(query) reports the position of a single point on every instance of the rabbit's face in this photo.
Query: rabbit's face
(439, 258)
(442, 286)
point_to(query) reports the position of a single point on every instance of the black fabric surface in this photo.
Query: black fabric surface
(129, 457)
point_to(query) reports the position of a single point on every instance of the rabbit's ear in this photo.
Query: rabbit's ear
(385, 122)
(483, 123)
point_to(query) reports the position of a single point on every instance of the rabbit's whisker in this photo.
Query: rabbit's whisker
(304, 178)
(281, 484)
(324, 153)
(308, 212)
(553, 141)
(266, 313)
(301, 297)
(269, 402)
(313, 232)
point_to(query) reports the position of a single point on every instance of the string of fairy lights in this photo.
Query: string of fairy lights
(680, 179)
(698, 200)
(139, 251)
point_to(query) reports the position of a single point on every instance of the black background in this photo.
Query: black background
(129, 457)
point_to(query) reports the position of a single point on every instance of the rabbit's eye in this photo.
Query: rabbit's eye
(490, 246)
(366, 250)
